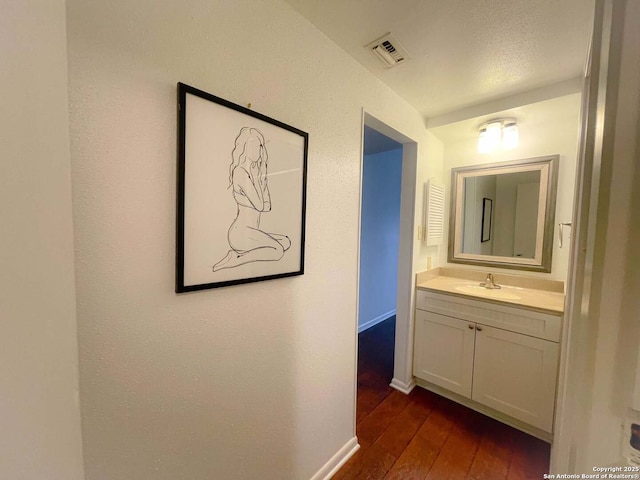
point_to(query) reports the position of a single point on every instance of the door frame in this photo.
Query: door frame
(403, 351)
(580, 329)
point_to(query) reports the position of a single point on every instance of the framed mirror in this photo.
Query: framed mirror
(502, 214)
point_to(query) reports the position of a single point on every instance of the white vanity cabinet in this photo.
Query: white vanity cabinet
(516, 375)
(497, 356)
(443, 351)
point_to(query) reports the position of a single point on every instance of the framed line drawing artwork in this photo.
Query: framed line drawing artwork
(487, 210)
(241, 194)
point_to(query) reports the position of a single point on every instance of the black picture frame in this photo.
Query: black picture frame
(487, 213)
(241, 194)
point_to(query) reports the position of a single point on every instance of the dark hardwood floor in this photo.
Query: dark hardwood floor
(423, 436)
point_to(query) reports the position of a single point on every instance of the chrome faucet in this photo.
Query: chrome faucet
(490, 283)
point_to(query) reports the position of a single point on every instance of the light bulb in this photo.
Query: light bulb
(483, 141)
(510, 137)
(489, 138)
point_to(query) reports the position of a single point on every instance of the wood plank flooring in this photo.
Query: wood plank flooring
(423, 436)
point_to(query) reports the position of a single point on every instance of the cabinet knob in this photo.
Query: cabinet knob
(471, 327)
(479, 329)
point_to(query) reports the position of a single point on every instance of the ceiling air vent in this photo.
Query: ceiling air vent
(389, 51)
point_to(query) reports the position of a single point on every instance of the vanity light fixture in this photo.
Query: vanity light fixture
(501, 132)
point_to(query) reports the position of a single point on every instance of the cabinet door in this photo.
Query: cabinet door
(516, 374)
(443, 351)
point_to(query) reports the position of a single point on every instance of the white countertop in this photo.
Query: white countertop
(509, 295)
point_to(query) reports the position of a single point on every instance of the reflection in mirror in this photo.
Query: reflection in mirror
(502, 214)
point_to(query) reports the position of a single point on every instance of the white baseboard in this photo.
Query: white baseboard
(338, 460)
(374, 321)
(403, 387)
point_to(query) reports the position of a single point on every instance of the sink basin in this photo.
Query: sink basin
(479, 291)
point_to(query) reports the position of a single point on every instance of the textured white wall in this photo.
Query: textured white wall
(546, 128)
(252, 381)
(39, 411)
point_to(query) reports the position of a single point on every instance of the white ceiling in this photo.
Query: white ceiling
(463, 52)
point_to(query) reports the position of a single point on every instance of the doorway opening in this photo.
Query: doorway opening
(389, 168)
(379, 228)
(378, 269)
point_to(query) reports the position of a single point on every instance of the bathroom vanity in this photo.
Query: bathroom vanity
(493, 350)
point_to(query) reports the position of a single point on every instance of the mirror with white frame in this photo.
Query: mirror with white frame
(502, 214)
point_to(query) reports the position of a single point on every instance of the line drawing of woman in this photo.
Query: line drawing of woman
(248, 180)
